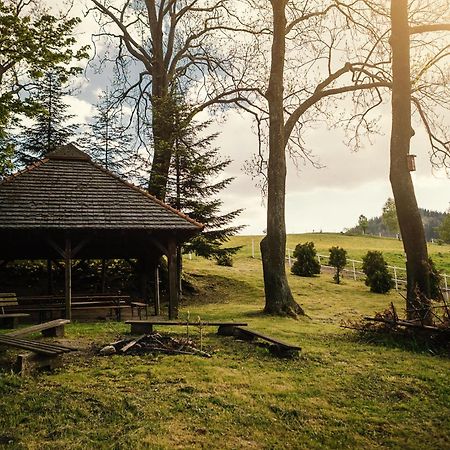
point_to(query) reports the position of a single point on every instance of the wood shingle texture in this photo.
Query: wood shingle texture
(67, 190)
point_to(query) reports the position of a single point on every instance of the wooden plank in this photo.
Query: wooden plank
(40, 327)
(13, 315)
(39, 347)
(131, 344)
(173, 279)
(28, 345)
(29, 362)
(184, 323)
(68, 279)
(156, 292)
(253, 333)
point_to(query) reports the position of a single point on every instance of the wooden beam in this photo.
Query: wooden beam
(158, 245)
(103, 276)
(156, 292)
(49, 277)
(56, 247)
(68, 279)
(79, 247)
(173, 279)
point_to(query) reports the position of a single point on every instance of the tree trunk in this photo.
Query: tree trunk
(410, 222)
(279, 299)
(162, 111)
(163, 136)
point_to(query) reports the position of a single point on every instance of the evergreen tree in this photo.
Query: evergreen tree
(338, 259)
(306, 264)
(50, 128)
(107, 140)
(193, 186)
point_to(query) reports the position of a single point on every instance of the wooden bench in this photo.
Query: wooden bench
(146, 326)
(54, 328)
(277, 347)
(43, 355)
(46, 310)
(9, 319)
(140, 307)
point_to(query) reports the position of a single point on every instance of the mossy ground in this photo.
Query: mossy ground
(340, 393)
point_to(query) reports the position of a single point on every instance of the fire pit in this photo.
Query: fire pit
(154, 343)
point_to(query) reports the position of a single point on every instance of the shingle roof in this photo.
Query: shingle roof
(68, 190)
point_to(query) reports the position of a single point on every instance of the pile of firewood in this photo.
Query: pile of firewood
(388, 322)
(154, 343)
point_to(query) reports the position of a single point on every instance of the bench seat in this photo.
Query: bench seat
(146, 326)
(54, 328)
(44, 355)
(7, 318)
(278, 347)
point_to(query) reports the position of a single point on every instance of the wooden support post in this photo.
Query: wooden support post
(27, 363)
(68, 279)
(173, 279)
(49, 277)
(103, 276)
(156, 296)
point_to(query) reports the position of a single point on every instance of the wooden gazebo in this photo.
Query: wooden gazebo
(66, 206)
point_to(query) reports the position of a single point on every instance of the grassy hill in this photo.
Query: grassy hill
(342, 392)
(356, 246)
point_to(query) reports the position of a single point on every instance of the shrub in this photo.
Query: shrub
(224, 259)
(378, 277)
(306, 264)
(435, 281)
(338, 259)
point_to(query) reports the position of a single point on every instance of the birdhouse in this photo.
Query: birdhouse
(410, 159)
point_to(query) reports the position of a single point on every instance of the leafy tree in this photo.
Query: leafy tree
(435, 281)
(338, 259)
(389, 216)
(6, 155)
(363, 223)
(444, 229)
(378, 277)
(50, 128)
(306, 264)
(108, 141)
(32, 42)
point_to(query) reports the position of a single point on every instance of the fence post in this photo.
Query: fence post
(395, 278)
(253, 248)
(190, 256)
(289, 257)
(354, 270)
(446, 286)
(318, 257)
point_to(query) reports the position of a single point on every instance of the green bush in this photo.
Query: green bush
(306, 264)
(435, 281)
(338, 259)
(224, 259)
(378, 277)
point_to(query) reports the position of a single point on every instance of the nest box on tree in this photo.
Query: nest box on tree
(410, 159)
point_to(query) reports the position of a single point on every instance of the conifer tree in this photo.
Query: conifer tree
(107, 140)
(50, 128)
(195, 180)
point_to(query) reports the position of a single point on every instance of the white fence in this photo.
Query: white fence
(354, 269)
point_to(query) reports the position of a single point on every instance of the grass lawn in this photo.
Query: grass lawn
(340, 393)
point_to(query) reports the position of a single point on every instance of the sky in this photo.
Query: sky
(327, 199)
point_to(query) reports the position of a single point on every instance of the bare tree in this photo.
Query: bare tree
(170, 46)
(290, 110)
(411, 226)
(362, 69)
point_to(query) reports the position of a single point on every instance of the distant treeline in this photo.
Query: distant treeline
(431, 222)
